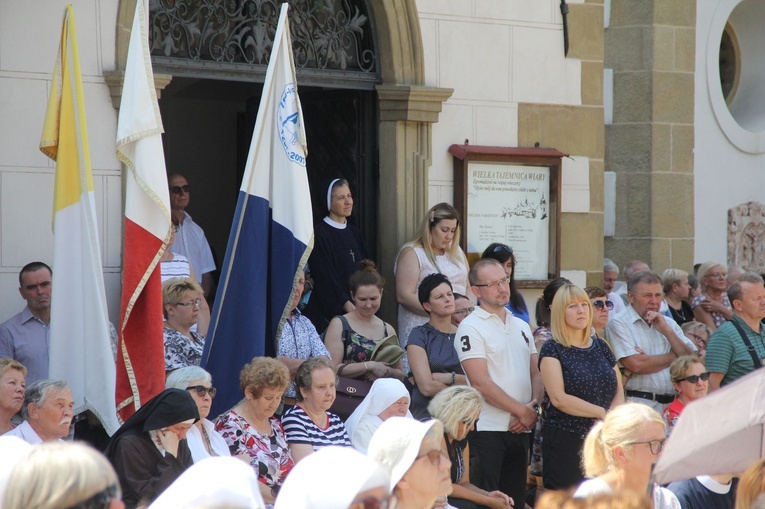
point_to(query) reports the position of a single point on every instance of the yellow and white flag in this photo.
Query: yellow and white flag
(80, 348)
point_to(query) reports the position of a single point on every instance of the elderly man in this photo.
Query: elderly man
(190, 240)
(646, 342)
(630, 268)
(498, 355)
(47, 411)
(737, 347)
(25, 336)
(610, 278)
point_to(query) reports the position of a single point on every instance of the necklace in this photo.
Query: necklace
(208, 444)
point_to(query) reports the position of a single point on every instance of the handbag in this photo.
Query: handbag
(349, 393)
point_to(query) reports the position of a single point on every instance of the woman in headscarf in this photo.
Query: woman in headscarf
(214, 482)
(387, 398)
(356, 482)
(149, 451)
(413, 455)
(337, 251)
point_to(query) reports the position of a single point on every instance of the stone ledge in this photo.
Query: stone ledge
(114, 80)
(411, 103)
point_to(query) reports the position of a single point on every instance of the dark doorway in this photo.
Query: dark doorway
(208, 129)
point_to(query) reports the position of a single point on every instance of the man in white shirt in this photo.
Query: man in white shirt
(47, 411)
(498, 355)
(190, 240)
(646, 342)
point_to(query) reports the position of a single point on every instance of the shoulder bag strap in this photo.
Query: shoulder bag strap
(748, 344)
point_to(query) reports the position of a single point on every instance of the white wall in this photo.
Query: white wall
(29, 39)
(728, 170)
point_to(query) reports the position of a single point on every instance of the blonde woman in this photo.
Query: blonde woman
(751, 487)
(182, 301)
(458, 409)
(59, 475)
(691, 382)
(620, 450)
(435, 248)
(699, 333)
(582, 382)
(676, 291)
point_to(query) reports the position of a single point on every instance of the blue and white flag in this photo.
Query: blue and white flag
(271, 235)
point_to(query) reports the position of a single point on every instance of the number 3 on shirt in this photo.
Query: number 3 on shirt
(465, 343)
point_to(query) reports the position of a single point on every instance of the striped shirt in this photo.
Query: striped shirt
(177, 267)
(300, 429)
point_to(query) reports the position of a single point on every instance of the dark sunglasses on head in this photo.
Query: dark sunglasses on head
(502, 247)
(177, 189)
(599, 304)
(202, 390)
(695, 378)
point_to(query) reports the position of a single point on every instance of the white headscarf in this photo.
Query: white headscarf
(396, 444)
(330, 478)
(384, 392)
(213, 481)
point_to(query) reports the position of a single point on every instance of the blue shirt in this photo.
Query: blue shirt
(26, 338)
(588, 374)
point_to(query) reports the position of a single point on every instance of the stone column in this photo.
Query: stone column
(650, 45)
(407, 113)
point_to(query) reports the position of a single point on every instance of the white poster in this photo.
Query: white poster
(510, 204)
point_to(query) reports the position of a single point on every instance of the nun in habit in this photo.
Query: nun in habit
(149, 452)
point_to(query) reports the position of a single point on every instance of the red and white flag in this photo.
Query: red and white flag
(141, 360)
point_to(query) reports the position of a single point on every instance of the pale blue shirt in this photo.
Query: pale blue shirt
(26, 339)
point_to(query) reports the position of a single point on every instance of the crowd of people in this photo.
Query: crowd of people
(468, 406)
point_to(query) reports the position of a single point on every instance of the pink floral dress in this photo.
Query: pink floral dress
(269, 456)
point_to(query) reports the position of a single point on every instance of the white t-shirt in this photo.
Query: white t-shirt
(190, 242)
(507, 347)
(662, 497)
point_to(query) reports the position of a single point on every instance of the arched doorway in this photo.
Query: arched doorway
(405, 111)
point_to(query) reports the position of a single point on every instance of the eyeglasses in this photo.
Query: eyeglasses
(697, 338)
(191, 303)
(655, 445)
(504, 248)
(101, 499)
(178, 189)
(694, 379)
(492, 284)
(203, 391)
(465, 311)
(373, 503)
(434, 456)
(600, 305)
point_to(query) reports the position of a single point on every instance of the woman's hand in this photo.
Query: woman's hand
(169, 441)
(377, 370)
(499, 500)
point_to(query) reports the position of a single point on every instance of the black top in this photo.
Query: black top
(335, 258)
(683, 315)
(588, 374)
(694, 495)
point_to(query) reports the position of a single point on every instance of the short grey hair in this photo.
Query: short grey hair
(671, 277)
(643, 276)
(182, 378)
(610, 266)
(38, 392)
(629, 269)
(735, 292)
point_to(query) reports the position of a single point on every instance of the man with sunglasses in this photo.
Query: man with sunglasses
(498, 355)
(190, 240)
(737, 347)
(646, 342)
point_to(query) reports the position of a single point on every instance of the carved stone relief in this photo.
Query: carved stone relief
(746, 237)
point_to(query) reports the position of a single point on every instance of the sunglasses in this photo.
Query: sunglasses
(601, 305)
(465, 311)
(178, 189)
(202, 391)
(374, 503)
(433, 456)
(655, 445)
(694, 379)
(503, 248)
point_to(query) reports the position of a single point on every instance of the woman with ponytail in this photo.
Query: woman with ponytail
(620, 451)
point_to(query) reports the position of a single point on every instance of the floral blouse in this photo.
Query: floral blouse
(182, 351)
(269, 456)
